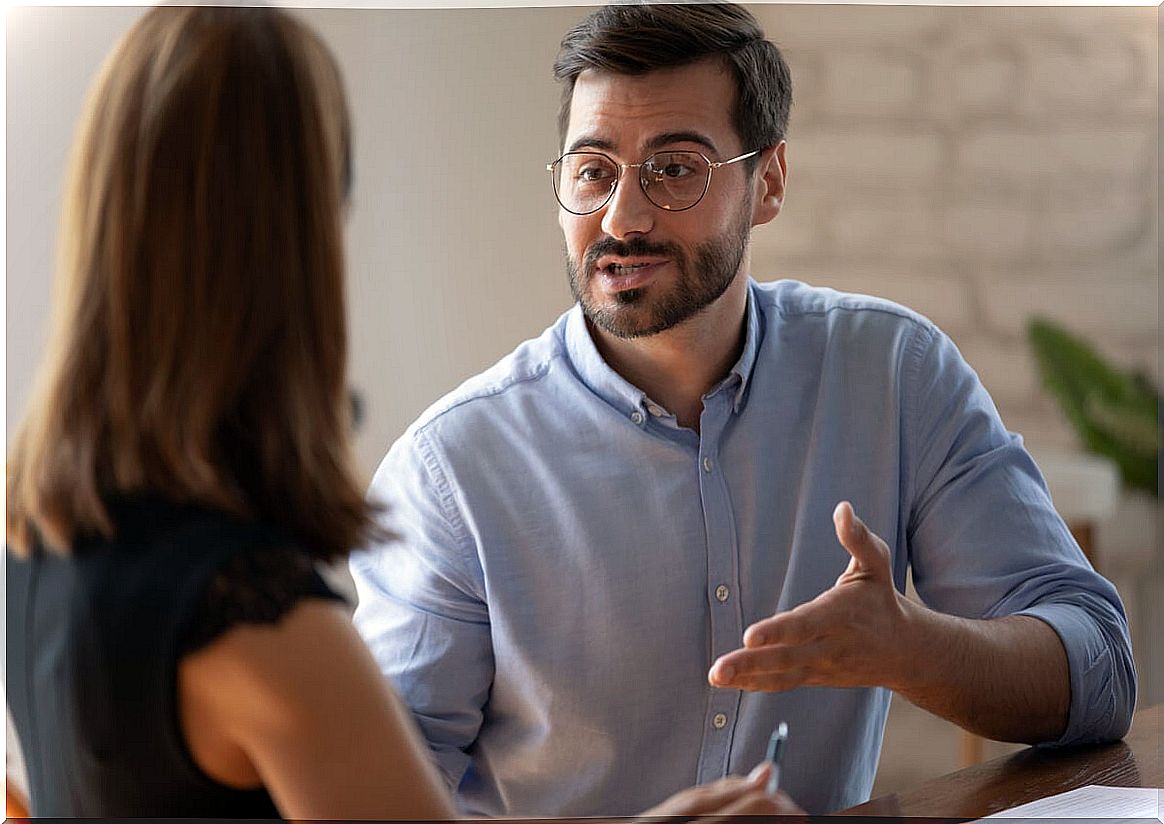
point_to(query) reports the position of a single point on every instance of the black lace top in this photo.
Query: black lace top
(256, 587)
(94, 641)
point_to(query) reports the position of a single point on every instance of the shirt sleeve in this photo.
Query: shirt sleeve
(985, 540)
(421, 604)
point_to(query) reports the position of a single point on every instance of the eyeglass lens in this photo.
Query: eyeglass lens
(585, 181)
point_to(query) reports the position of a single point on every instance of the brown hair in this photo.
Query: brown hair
(199, 345)
(637, 38)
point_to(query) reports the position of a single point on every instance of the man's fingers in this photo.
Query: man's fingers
(774, 682)
(796, 626)
(770, 663)
(867, 549)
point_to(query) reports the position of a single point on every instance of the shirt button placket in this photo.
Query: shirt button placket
(726, 621)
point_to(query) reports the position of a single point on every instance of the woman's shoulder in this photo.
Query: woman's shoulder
(257, 586)
(204, 567)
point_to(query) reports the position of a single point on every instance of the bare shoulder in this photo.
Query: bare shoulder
(304, 702)
(266, 674)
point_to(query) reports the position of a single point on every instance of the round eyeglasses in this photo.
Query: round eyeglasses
(584, 182)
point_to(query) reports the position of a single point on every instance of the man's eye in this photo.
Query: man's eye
(676, 170)
(593, 174)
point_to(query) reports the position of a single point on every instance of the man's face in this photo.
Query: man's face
(637, 269)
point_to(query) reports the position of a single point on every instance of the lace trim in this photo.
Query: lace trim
(257, 587)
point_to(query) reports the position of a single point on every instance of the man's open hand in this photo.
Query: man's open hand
(848, 636)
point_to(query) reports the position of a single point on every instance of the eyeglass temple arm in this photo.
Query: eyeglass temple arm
(735, 159)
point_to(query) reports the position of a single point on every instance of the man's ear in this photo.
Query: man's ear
(770, 181)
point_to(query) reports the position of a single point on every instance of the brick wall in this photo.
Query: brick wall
(982, 165)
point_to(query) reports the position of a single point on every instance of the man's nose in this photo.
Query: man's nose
(628, 211)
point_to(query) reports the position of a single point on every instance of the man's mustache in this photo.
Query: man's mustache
(635, 247)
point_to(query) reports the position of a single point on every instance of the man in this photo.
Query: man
(686, 511)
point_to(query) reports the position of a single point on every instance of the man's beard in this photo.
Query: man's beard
(656, 308)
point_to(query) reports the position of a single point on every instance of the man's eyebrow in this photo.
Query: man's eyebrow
(590, 142)
(654, 144)
(667, 138)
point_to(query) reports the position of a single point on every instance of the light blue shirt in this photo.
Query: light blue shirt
(571, 561)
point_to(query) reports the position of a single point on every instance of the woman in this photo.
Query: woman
(185, 460)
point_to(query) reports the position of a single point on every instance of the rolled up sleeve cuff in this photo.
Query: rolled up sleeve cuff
(1100, 669)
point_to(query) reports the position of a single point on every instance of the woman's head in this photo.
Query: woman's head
(199, 340)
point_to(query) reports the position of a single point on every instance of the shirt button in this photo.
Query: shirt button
(722, 593)
(707, 464)
(719, 721)
(655, 410)
(637, 418)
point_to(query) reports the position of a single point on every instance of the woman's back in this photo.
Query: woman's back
(161, 655)
(94, 644)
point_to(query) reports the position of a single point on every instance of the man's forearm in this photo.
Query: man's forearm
(1003, 678)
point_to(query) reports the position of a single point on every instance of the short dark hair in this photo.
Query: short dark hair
(641, 37)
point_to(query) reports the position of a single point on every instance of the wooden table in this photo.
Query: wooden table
(1032, 774)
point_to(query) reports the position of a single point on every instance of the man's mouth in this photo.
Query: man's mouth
(621, 275)
(617, 269)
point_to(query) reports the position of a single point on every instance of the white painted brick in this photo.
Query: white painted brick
(882, 83)
(1007, 370)
(1080, 75)
(983, 78)
(1145, 40)
(1089, 22)
(889, 228)
(1145, 255)
(901, 154)
(807, 78)
(827, 26)
(1100, 305)
(943, 298)
(1066, 153)
(798, 229)
(1125, 540)
(1089, 225)
(987, 230)
(1042, 429)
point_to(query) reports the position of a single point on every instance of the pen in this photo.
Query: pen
(775, 753)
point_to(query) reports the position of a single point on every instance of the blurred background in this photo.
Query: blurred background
(983, 165)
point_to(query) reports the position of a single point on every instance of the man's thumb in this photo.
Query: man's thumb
(855, 537)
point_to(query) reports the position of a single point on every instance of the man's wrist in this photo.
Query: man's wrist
(913, 650)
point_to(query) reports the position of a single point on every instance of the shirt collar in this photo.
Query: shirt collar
(621, 393)
(595, 372)
(752, 336)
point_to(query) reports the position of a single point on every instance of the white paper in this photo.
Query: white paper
(1111, 805)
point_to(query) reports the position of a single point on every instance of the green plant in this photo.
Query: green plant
(1116, 413)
